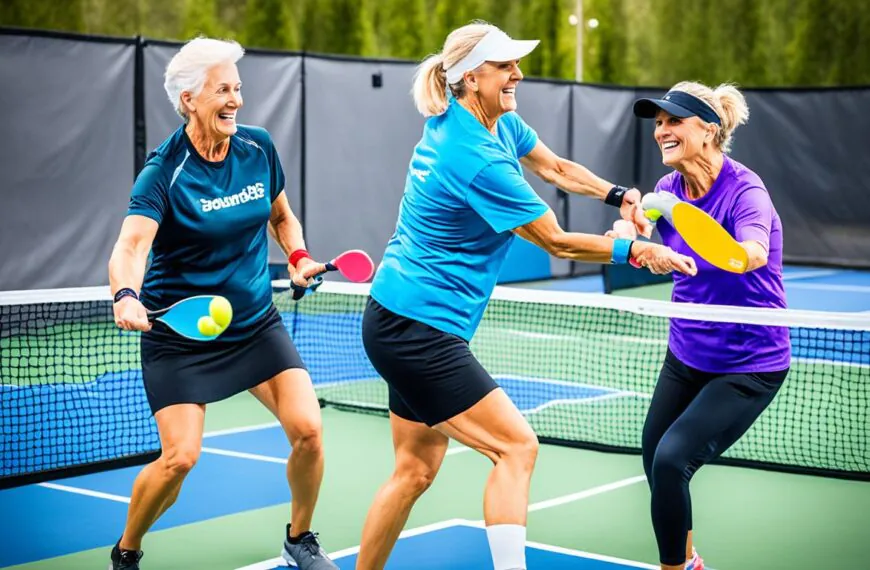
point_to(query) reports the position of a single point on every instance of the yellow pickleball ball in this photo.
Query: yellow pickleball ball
(653, 215)
(207, 326)
(221, 311)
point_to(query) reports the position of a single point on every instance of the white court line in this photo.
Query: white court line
(830, 287)
(561, 401)
(276, 562)
(810, 274)
(590, 555)
(88, 492)
(567, 383)
(573, 497)
(242, 429)
(269, 564)
(241, 455)
(845, 363)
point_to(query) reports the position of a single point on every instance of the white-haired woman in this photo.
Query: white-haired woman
(465, 199)
(202, 205)
(717, 378)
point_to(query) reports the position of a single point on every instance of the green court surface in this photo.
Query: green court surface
(744, 518)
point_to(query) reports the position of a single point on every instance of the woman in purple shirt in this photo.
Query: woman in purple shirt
(716, 378)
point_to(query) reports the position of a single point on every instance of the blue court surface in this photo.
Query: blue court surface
(462, 545)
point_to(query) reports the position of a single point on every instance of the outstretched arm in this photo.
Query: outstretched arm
(546, 233)
(577, 179)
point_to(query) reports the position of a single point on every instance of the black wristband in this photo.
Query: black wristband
(125, 292)
(615, 196)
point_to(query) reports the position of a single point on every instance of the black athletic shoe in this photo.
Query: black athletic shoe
(125, 559)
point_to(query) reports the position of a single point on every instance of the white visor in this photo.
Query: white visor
(495, 46)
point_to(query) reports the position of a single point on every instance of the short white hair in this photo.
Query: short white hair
(188, 68)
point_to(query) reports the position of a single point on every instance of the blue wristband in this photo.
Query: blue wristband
(621, 250)
(125, 292)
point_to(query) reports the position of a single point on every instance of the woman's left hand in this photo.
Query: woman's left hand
(631, 211)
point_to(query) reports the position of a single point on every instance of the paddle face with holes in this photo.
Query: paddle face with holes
(355, 265)
(184, 317)
(699, 230)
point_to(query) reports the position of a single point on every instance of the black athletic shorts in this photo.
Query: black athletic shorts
(432, 375)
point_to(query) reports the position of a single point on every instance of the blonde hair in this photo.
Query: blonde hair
(188, 68)
(430, 80)
(727, 101)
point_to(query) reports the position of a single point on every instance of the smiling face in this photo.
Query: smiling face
(680, 140)
(214, 109)
(496, 84)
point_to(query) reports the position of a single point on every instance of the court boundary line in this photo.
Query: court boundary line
(540, 505)
(86, 492)
(244, 455)
(810, 274)
(830, 287)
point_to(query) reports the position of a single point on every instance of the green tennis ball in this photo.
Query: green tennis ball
(207, 326)
(221, 311)
(653, 215)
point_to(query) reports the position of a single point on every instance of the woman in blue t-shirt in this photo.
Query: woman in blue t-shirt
(202, 205)
(465, 198)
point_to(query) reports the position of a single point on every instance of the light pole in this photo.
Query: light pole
(578, 71)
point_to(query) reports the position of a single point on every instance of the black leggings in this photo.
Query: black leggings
(693, 418)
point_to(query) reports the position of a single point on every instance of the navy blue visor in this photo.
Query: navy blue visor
(679, 104)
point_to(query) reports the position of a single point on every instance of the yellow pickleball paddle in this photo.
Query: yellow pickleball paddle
(699, 230)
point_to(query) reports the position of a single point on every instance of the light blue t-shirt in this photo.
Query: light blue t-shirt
(464, 193)
(213, 216)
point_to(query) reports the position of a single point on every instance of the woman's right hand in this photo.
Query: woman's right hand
(660, 259)
(130, 315)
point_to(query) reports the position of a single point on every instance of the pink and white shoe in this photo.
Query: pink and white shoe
(696, 563)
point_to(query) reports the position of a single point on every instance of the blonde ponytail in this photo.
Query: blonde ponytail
(430, 80)
(430, 86)
(732, 109)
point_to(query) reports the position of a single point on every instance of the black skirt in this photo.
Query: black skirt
(432, 375)
(177, 370)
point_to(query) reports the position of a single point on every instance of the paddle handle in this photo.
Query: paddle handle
(154, 315)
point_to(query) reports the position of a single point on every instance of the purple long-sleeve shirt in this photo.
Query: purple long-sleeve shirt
(739, 201)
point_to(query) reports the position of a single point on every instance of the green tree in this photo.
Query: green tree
(402, 28)
(271, 24)
(452, 14)
(352, 28)
(160, 19)
(544, 21)
(200, 18)
(318, 26)
(829, 44)
(47, 14)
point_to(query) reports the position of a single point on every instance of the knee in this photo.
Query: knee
(179, 460)
(307, 438)
(668, 464)
(415, 480)
(523, 451)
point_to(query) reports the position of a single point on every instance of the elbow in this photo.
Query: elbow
(758, 261)
(554, 173)
(556, 244)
